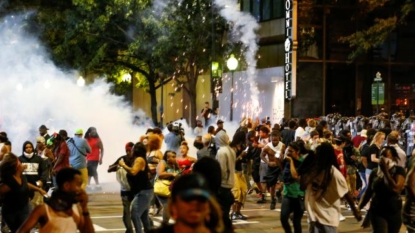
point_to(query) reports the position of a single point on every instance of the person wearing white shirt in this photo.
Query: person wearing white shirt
(393, 139)
(299, 132)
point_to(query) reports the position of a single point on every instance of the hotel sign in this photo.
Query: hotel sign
(288, 45)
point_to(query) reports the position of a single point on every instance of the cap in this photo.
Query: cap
(129, 146)
(79, 131)
(219, 122)
(191, 187)
(43, 127)
(364, 133)
(49, 142)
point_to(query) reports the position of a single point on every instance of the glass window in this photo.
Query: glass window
(246, 5)
(277, 9)
(256, 9)
(266, 10)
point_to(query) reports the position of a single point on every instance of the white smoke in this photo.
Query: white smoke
(35, 92)
(244, 26)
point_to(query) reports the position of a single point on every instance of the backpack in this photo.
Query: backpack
(212, 148)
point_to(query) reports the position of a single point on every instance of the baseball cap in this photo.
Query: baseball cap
(129, 146)
(43, 127)
(190, 187)
(79, 131)
(219, 122)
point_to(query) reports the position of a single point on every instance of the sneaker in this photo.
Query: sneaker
(234, 217)
(159, 210)
(272, 206)
(342, 218)
(238, 217)
(241, 217)
(261, 201)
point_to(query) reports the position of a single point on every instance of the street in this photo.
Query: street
(106, 212)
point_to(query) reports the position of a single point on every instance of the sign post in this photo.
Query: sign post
(378, 92)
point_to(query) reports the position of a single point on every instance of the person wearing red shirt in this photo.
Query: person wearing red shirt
(61, 153)
(95, 157)
(360, 137)
(338, 150)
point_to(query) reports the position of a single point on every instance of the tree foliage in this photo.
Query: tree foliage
(111, 37)
(383, 17)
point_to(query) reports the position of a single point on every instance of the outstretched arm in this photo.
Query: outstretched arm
(33, 219)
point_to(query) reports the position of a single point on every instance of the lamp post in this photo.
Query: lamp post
(232, 64)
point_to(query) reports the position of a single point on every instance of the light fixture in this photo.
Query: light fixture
(80, 81)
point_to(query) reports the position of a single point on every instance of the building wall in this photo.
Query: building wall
(172, 102)
(175, 105)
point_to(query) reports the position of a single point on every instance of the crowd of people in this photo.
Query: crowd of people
(302, 165)
(47, 183)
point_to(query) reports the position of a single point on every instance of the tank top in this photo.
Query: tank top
(94, 155)
(276, 149)
(140, 181)
(58, 223)
(185, 164)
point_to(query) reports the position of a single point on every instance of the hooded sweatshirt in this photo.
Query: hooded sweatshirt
(226, 157)
(36, 169)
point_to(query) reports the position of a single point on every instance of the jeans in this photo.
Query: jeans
(15, 219)
(163, 201)
(126, 217)
(226, 199)
(291, 205)
(364, 184)
(139, 210)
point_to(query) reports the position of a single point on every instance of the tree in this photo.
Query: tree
(107, 37)
(190, 28)
(382, 17)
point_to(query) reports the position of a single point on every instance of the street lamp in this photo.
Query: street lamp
(80, 81)
(232, 64)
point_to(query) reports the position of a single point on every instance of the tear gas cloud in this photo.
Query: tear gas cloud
(35, 92)
(244, 27)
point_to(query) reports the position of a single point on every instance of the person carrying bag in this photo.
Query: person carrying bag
(167, 171)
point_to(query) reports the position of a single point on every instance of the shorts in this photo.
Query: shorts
(240, 188)
(92, 168)
(272, 175)
(263, 170)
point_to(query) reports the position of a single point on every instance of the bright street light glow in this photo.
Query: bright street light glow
(80, 81)
(232, 63)
(126, 77)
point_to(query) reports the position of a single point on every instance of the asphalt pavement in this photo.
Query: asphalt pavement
(106, 212)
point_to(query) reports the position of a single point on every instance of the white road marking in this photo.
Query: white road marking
(99, 228)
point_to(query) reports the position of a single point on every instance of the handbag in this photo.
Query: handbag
(161, 187)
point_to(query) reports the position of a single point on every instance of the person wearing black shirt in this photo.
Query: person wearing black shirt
(141, 188)
(374, 152)
(16, 191)
(240, 188)
(385, 185)
(206, 113)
